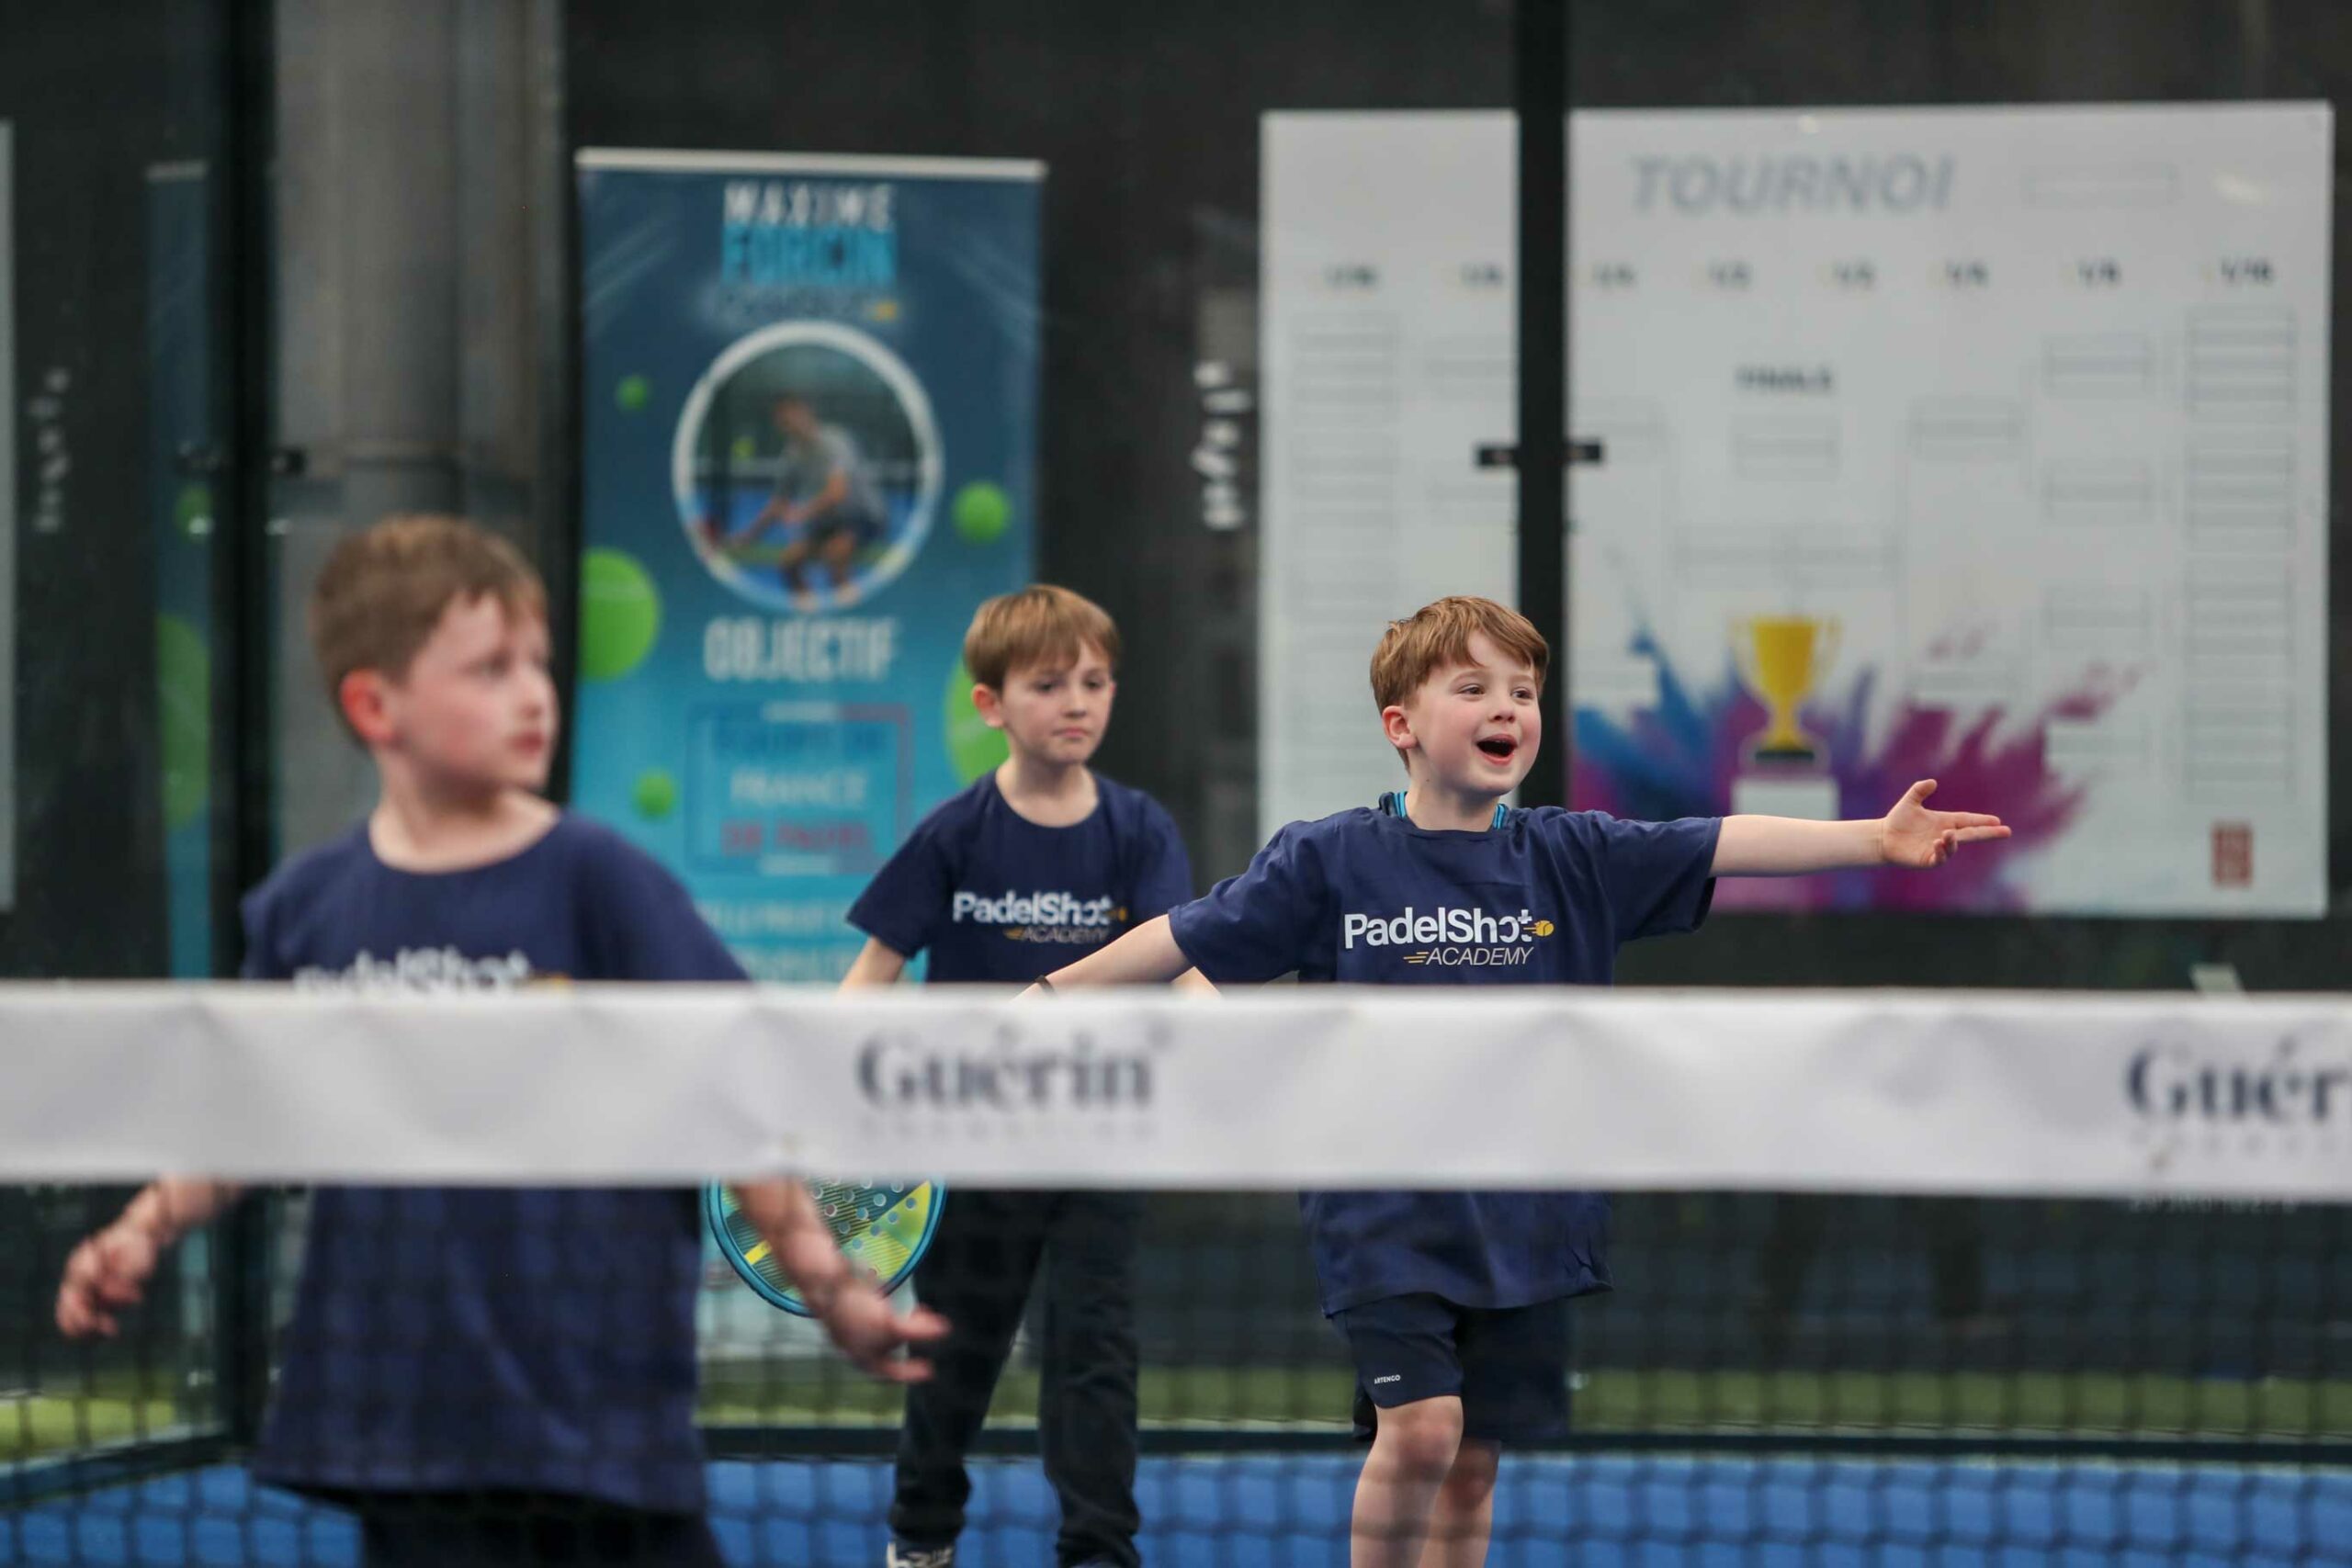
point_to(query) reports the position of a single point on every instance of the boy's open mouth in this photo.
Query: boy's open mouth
(1499, 746)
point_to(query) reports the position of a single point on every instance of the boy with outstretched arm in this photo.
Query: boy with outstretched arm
(1452, 1304)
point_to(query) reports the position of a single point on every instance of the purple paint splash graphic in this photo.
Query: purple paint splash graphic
(1680, 758)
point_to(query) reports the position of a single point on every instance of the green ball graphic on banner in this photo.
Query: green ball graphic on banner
(184, 692)
(982, 511)
(620, 614)
(973, 747)
(655, 794)
(633, 393)
(192, 510)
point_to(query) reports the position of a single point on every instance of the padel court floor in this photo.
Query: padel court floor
(1227, 1511)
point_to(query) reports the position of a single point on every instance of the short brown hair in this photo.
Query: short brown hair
(1039, 625)
(385, 588)
(1437, 635)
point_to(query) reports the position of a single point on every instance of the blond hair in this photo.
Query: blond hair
(1039, 625)
(1439, 634)
(385, 588)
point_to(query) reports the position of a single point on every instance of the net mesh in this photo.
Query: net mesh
(1777, 1377)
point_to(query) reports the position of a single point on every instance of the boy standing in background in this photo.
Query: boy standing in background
(1038, 863)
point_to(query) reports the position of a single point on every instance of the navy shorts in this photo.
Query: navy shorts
(1509, 1365)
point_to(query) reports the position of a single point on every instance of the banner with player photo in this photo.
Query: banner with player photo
(180, 511)
(809, 390)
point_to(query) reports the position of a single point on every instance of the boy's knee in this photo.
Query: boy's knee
(1423, 1437)
(1471, 1481)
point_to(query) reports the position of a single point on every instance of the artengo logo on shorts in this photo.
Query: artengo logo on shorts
(1449, 938)
(1063, 919)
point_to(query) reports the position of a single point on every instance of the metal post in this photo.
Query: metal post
(1541, 61)
(241, 768)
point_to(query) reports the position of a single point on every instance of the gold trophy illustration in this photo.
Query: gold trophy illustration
(1780, 657)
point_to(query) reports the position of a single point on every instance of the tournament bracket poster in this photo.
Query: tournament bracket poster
(809, 393)
(1986, 445)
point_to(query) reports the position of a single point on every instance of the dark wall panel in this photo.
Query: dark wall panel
(1147, 118)
(93, 106)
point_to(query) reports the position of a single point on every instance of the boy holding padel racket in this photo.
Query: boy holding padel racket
(1038, 863)
(481, 1374)
(1452, 1304)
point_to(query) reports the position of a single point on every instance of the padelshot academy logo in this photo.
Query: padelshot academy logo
(1064, 919)
(431, 970)
(1449, 938)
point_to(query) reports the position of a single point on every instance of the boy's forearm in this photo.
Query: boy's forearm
(787, 1218)
(1147, 955)
(877, 964)
(170, 1208)
(1788, 846)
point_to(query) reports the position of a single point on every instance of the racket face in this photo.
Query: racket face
(884, 1230)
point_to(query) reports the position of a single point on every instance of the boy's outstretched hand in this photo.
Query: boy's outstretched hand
(109, 1272)
(864, 1327)
(105, 1274)
(1912, 835)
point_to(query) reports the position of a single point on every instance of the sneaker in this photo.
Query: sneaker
(902, 1555)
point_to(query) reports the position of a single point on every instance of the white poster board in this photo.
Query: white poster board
(1385, 341)
(1989, 445)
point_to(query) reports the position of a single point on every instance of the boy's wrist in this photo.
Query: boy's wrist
(820, 1295)
(149, 1216)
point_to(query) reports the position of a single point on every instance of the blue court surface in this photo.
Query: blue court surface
(1259, 1512)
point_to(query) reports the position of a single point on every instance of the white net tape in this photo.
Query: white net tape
(1274, 1089)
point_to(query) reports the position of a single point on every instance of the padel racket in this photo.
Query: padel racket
(882, 1230)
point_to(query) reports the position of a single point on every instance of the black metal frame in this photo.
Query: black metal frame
(1540, 72)
(817, 1441)
(562, 413)
(244, 837)
(45, 1481)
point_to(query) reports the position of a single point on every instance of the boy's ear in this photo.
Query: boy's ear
(362, 695)
(990, 705)
(1398, 727)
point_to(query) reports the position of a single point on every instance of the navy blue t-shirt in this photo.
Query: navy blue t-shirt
(996, 897)
(464, 1338)
(1368, 899)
